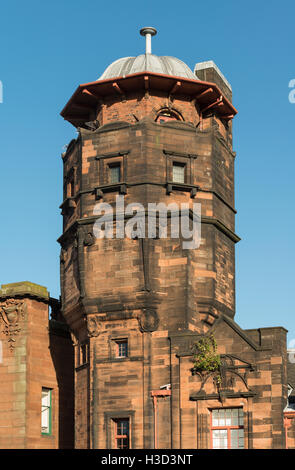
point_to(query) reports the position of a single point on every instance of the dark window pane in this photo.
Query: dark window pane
(84, 353)
(122, 348)
(122, 443)
(122, 427)
(122, 434)
(115, 174)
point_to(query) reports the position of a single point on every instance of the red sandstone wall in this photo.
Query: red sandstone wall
(291, 434)
(37, 359)
(136, 108)
(40, 373)
(13, 371)
(108, 286)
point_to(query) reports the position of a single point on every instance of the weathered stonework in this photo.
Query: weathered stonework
(12, 313)
(120, 343)
(153, 293)
(35, 352)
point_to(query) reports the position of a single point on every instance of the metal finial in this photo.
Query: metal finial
(148, 32)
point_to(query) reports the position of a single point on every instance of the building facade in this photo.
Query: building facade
(147, 345)
(36, 371)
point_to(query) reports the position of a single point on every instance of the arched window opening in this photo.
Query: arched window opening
(166, 115)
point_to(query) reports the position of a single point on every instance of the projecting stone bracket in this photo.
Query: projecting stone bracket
(224, 394)
(68, 205)
(100, 190)
(231, 370)
(170, 186)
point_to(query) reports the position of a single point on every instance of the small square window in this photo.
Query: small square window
(178, 172)
(46, 411)
(122, 348)
(115, 173)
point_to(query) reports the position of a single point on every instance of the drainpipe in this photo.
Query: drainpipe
(155, 394)
(286, 426)
(288, 418)
(171, 412)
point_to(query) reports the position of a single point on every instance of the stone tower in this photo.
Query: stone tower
(151, 131)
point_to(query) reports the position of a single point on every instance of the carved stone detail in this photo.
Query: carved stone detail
(93, 326)
(74, 339)
(148, 320)
(89, 239)
(224, 379)
(11, 313)
(63, 255)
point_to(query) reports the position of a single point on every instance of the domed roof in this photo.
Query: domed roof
(148, 62)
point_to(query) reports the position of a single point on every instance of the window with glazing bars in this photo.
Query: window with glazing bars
(121, 433)
(178, 172)
(46, 411)
(122, 348)
(115, 173)
(227, 428)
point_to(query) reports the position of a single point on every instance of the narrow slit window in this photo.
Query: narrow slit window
(71, 186)
(46, 411)
(178, 172)
(83, 353)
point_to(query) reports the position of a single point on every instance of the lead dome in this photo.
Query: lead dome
(149, 62)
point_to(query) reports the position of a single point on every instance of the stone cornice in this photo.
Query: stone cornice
(24, 289)
(205, 220)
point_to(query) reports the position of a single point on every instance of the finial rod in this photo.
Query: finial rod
(148, 32)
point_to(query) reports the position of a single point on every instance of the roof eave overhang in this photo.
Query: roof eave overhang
(88, 95)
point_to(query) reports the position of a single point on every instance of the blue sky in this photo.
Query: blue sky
(49, 48)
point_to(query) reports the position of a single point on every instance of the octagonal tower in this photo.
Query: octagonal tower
(152, 131)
